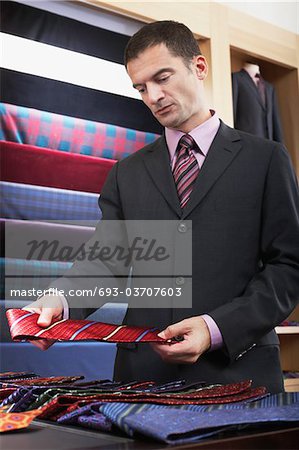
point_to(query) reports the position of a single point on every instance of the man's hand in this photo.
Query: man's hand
(49, 308)
(196, 341)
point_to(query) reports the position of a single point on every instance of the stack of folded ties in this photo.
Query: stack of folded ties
(173, 412)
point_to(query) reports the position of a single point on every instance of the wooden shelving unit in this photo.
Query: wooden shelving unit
(289, 350)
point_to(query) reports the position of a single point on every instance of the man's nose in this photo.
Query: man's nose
(155, 94)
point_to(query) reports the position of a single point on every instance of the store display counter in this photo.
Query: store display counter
(49, 436)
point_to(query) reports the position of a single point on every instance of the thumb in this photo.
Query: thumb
(46, 317)
(172, 331)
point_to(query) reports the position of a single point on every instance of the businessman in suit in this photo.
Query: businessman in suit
(253, 113)
(243, 205)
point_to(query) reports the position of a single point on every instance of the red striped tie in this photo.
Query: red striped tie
(186, 168)
(23, 325)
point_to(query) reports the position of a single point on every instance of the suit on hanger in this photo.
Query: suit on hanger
(250, 114)
(245, 258)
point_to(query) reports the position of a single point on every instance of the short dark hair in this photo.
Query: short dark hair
(176, 36)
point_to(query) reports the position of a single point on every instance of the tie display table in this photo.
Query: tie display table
(50, 436)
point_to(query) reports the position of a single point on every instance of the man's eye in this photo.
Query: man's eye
(163, 79)
(141, 90)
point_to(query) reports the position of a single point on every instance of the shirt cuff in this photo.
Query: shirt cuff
(216, 336)
(65, 305)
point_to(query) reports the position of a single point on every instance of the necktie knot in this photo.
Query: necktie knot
(187, 142)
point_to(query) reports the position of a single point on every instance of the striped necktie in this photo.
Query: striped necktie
(261, 88)
(185, 169)
(23, 325)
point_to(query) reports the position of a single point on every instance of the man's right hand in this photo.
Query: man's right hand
(49, 308)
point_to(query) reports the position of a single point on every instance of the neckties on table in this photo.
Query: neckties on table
(16, 421)
(185, 169)
(23, 325)
(261, 88)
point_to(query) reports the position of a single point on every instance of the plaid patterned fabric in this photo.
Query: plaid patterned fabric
(27, 202)
(69, 134)
(28, 274)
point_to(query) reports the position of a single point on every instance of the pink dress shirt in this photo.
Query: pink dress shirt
(203, 135)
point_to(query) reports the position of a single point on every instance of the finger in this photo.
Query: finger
(46, 317)
(172, 349)
(32, 310)
(176, 329)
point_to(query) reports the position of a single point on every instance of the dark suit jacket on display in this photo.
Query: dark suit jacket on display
(250, 114)
(245, 258)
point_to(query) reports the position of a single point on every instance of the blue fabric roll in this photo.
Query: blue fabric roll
(28, 202)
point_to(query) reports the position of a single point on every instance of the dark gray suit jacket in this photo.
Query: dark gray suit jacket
(244, 212)
(250, 114)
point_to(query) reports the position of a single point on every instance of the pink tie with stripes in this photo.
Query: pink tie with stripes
(185, 169)
(23, 325)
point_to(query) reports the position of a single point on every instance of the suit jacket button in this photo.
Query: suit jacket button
(179, 281)
(182, 227)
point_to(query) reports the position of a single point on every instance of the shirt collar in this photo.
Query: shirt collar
(203, 135)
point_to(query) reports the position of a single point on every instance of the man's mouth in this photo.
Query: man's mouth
(163, 110)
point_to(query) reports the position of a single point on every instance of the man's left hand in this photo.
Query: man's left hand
(196, 341)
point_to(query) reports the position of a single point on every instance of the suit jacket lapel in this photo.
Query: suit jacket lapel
(250, 83)
(224, 149)
(157, 163)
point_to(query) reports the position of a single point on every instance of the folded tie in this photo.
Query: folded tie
(16, 421)
(23, 325)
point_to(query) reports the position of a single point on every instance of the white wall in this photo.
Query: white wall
(282, 14)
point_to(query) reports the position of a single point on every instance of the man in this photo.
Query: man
(241, 196)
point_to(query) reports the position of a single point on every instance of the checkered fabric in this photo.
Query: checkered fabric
(69, 134)
(22, 274)
(27, 202)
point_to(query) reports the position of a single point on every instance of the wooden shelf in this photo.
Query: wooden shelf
(291, 384)
(287, 330)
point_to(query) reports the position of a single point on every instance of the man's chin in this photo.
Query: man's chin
(167, 122)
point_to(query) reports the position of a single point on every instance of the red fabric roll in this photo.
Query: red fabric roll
(28, 164)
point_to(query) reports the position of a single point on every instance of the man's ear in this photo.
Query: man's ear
(201, 67)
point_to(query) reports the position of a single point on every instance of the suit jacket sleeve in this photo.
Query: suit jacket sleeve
(273, 292)
(92, 271)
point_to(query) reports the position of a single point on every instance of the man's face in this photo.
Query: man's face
(171, 90)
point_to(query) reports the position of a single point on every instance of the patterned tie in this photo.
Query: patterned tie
(185, 169)
(23, 325)
(261, 88)
(16, 421)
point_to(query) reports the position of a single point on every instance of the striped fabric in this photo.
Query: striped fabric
(69, 134)
(22, 201)
(23, 325)
(186, 169)
(118, 413)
